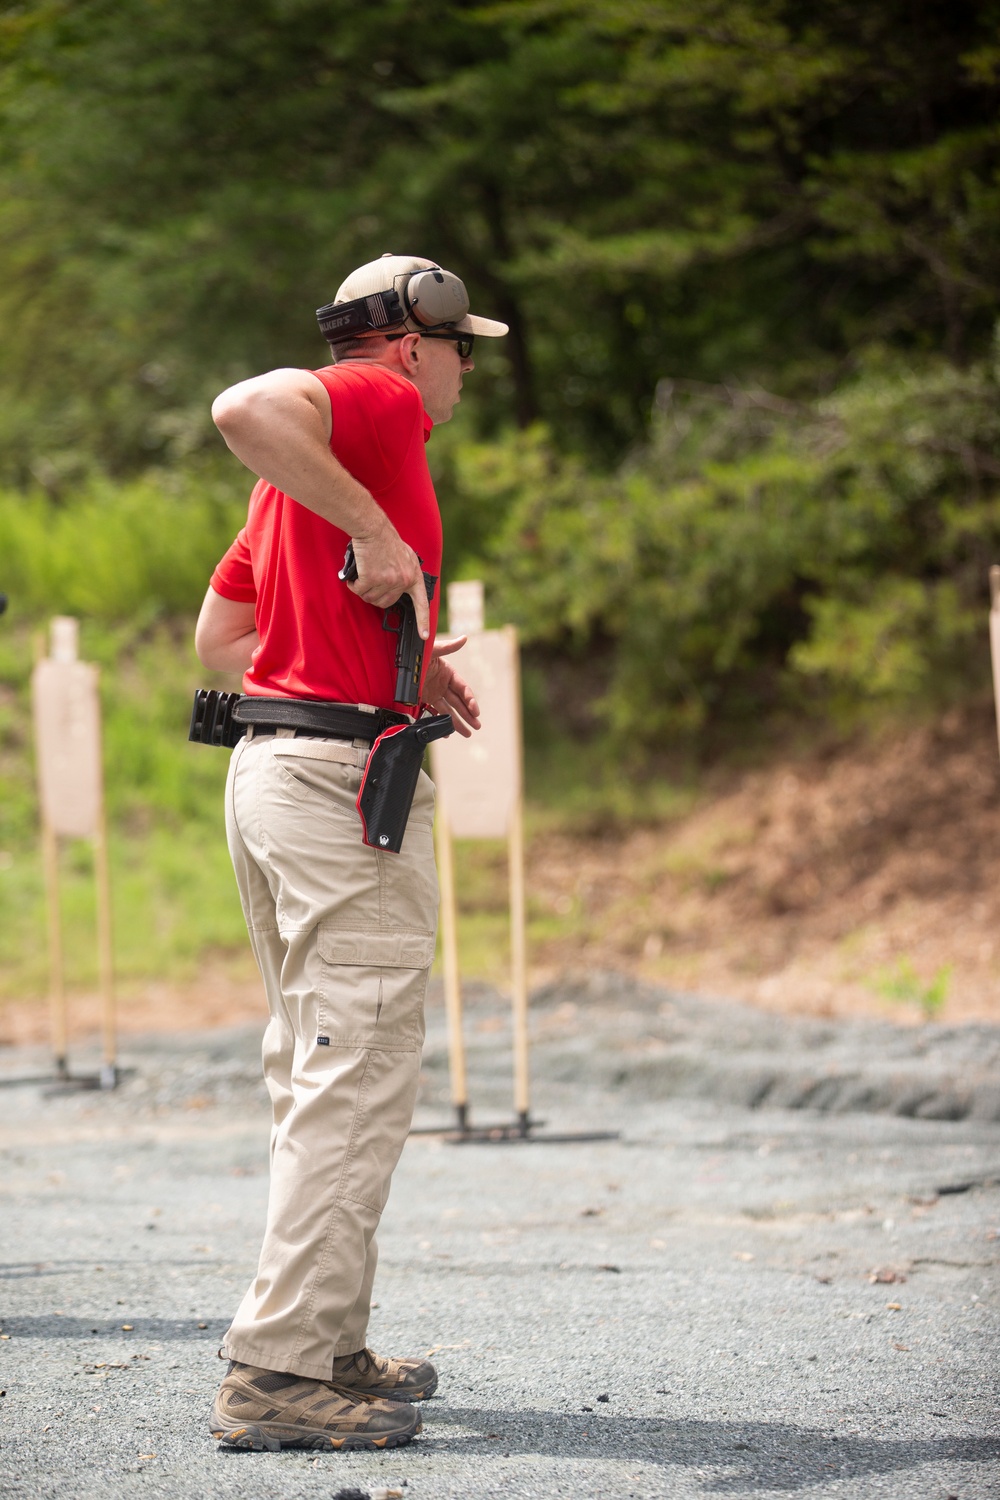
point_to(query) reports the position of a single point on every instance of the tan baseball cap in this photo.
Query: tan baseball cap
(444, 292)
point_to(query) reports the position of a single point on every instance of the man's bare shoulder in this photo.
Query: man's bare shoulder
(282, 396)
(284, 381)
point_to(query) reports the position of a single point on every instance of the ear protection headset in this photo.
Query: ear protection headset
(430, 298)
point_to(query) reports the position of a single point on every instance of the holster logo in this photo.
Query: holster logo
(383, 839)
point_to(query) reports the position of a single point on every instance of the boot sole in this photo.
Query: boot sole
(270, 1437)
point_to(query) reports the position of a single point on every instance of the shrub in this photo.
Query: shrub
(760, 553)
(117, 551)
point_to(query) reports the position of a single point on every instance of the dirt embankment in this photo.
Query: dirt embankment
(866, 877)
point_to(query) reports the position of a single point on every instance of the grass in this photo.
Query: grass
(579, 787)
(131, 560)
(173, 892)
(481, 883)
(175, 903)
(171, 904)
(120, 552)
(904, 986)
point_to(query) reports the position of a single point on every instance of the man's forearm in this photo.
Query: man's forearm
(225, 636)
(231, 656)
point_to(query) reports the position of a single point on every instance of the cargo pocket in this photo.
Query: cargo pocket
(372, 989)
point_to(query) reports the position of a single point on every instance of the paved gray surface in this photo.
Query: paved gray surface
(686, 1311)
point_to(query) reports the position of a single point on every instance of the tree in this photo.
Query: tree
(728, 189)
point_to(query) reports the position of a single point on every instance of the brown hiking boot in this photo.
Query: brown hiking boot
(369, 1376)
(269, 1409)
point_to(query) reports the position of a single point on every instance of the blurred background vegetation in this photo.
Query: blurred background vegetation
(734, 471)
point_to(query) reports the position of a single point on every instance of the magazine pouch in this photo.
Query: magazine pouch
(212, 721)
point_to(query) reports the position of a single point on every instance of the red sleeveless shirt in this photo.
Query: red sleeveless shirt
(317, 638)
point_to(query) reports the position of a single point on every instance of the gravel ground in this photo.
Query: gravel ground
(782, 1277)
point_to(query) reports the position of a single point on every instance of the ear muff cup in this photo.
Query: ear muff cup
(434, 297)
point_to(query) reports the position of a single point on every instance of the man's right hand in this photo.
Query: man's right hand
(387, 569)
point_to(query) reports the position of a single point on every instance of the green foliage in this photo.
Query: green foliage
(759, 553)
(119, 552)
(174, 895)
(680, 210)
(886, 648)
(174, 900)
(904, 985)
(728, 190)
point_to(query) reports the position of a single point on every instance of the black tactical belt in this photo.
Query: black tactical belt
(222, 718)
(342, 720)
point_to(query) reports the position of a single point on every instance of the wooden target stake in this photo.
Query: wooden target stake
(995, 638)
(57, 986)
(480, 784)
(518, 920)
(105, 955)
(452, 979)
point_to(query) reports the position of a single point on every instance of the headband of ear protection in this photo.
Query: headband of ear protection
(430, 298)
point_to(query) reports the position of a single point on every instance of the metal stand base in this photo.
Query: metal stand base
(521, 1131)
(109, 1077)
(69, 1083)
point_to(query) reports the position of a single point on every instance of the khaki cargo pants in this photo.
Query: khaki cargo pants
(344, 937)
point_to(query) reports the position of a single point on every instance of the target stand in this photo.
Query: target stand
(67, 720)
(480, 794)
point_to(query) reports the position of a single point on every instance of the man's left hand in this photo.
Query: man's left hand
(446, 693)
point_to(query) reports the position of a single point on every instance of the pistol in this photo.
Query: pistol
(401, 620)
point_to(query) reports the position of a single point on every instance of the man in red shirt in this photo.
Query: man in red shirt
(343, 933)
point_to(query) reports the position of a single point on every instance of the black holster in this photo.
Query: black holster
(390, 779)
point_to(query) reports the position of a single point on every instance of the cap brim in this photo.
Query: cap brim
(487, 328)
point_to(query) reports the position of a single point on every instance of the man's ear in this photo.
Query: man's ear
(409, 350)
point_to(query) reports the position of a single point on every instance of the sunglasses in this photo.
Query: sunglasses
(463, 341)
